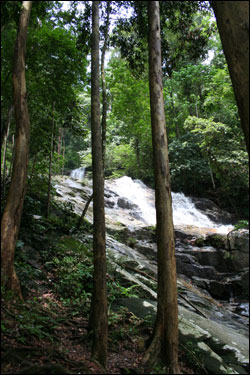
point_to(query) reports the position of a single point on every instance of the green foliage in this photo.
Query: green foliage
(242, 224)
(185, 157)
(228, 256)
(116, 290)
(216, 241)
(31, 323)
(185, 34)
(128, 129)
(25, 271)
(120, 160)
(227, 159)
(73, 268)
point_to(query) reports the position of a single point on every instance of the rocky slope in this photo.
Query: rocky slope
(212, 276)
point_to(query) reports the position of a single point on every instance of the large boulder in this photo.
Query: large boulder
(214, 213)
(220, 350)
(187, 265)
(126, 203)
(238, 247)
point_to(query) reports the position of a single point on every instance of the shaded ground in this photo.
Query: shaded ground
(48, 333)
(68, 348)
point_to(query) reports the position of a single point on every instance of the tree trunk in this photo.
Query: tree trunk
(98, 319)
(3, 169)
(13, 210)
(50, 161)
(137, 153)
(5, 127)
(80, 221)
(165, 335)
(104, 88)
(59, 144)
(33, 167)
(12, 155)
(59, 148)
(63, 155)
(5, 139)
(233, 23)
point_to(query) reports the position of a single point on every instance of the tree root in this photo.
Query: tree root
(152, 353)
(51, 368)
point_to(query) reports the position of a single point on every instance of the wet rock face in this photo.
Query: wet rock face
(188, 266)
(210, 209)
(210, 264)
(125, 203)
(238, 247)
(215, 262)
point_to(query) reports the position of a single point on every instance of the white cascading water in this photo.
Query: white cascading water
(184, 211)
(78, 173)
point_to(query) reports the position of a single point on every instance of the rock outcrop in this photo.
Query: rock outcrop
(207, 340)
(209, 265)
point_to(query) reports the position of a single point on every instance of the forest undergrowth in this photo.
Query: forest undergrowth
(47, 333)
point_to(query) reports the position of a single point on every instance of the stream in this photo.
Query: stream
(210, 283)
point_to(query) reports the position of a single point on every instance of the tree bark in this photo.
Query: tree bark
(104, 88)
(13, 210)
(12, 155)
(5, 129)
(50, 161)
(165, 335)
(98, 319)
(232, 19)
(5, 139)
(59, 144)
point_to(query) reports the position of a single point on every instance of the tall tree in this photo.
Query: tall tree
(14, 204)
(50, 161)
(164, 342)
(98, 319)
(104, 88)
(233, 23)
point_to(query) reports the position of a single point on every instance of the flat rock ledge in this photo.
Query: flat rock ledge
(218, 349)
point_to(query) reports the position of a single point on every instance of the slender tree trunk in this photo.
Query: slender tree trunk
(164, 341)
(104, 108)
(211, 175)
(50, 161)
(6, 126)
(5, 146)
(177, 131)
(233, 23)
(33, 166)
(63, 155)
(137, 153)
(12, 155)
(13, 210)
(104, 88)
(210, 165)
(59, 147)
(4, 158)
(98, 319)
(80, 221)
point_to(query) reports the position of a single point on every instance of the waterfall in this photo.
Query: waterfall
(78, 173)
(184, 210)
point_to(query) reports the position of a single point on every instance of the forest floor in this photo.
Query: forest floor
(67, 351)
(47, 335)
